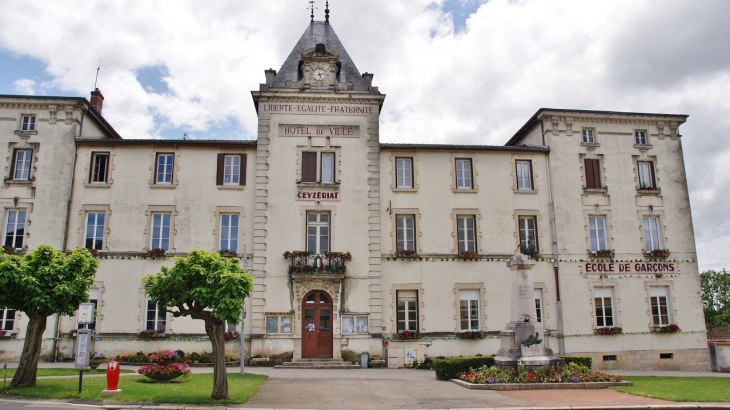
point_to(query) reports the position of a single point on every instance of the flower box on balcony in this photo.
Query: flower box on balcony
(407, 335)
(406, 254)
(608, 330)
(667, 329)
(156, 253)
(305, 262)
(657, 253)
(603, 253)
(468, 256)
(471, 335)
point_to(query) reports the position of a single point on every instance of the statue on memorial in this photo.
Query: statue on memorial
(528, 248)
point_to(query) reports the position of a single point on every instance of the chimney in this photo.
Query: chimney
(368, 77)
(97, 100)
(270, 74)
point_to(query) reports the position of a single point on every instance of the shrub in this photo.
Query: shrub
(447, 369)
(579, 360)
(350, 356)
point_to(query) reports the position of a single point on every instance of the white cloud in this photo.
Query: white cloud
(24, 86)
(474, 85)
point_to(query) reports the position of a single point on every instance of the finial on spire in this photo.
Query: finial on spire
(311, 8)
(327, 12)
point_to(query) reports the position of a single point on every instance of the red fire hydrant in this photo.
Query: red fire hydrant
(112, 375)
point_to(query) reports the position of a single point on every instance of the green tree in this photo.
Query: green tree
(716, 297)
(42, 283)
(205, 286)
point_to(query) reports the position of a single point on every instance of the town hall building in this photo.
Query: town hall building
(359, 245)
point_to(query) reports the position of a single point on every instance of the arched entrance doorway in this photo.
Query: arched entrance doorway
(317, 325)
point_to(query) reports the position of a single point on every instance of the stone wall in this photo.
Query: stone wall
(718, 333)
(668, 359)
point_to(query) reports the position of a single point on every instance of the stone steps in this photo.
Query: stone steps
(317, 364)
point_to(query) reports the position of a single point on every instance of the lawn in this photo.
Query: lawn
(195, 389)
(62, 372)
(700, 389)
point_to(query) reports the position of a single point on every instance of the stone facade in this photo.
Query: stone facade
(586, 192)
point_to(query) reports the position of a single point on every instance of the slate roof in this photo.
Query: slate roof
(319, 32)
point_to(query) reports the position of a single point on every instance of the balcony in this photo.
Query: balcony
(303, 262)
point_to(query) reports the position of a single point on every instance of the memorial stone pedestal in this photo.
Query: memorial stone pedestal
(523, 326)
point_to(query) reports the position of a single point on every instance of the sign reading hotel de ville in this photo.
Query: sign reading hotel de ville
(629, 268)
(337, 131)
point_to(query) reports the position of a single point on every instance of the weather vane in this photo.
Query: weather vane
(311, 8)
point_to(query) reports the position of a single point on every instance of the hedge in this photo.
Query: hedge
(581, 360)
(447, 369)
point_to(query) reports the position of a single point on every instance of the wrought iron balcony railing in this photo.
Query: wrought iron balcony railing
(304, 262)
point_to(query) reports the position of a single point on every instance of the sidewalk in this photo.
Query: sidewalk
(419, 389)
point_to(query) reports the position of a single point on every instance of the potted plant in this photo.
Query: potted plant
(468, 256)
(407, 254)
(667, 329)
(376, 362)
(155, 253)
(231, 336)
(228, 253)
(657, 253)
(407, 335)
(94, 252)
(472, 335)
(603, 253)
(96, 360)
(608, 330)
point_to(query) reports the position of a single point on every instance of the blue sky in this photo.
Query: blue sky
(172, 68)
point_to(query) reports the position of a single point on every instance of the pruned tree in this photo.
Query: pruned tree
(42, 283)
(209, 287)
(716, 297)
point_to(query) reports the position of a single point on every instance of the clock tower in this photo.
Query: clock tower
(317, 201)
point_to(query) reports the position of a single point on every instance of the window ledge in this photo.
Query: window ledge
(335, 186)
(25, 134)
(356, 335)
(19, 182)
(464, 191)
(279, 335)
(233, 187)
(590, 144)
(97, 185)
(643, 147)
(524, 191)
(405, 189)
(601, 191)
(163, 186)
(648, 192)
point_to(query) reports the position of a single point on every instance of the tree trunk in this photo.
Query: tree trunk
(25, 376)
(214, 329)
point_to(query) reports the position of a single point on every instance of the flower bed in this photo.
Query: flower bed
(571, 373)
(164, 372)
(169, 356)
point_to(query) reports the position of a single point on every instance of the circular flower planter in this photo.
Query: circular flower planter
(95, 363)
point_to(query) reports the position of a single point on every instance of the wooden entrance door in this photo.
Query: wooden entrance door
(317, 325)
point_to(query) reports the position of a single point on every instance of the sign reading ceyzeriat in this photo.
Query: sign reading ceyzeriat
(341, 131)
(629, 268)
(318, 196)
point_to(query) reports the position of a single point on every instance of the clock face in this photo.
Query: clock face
(319, 74)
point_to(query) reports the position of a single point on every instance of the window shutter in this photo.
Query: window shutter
(596, 174)
(653, 179)
(309, 167)
(221, 167)
(91, 168)
(242, 179)
(588, 163)
(593, 173)
(12, 164)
